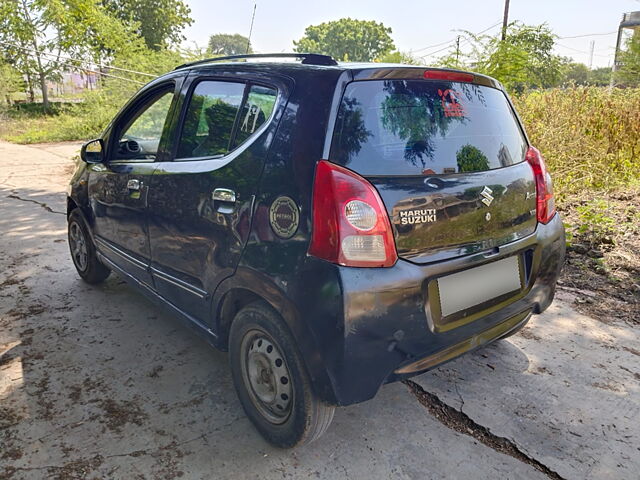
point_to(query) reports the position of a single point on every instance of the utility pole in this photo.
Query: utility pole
(505, 19)
(253, 16)
(457, 49)
(593, 44)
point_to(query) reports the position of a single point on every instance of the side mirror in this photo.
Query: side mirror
(92, 151)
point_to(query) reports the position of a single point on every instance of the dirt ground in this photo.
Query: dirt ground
(97, 383)
(603, 258)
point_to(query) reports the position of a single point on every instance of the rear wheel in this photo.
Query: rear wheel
(83, 251)
(271, 380)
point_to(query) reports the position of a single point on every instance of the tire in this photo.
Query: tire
(271, 380)
(83, 251)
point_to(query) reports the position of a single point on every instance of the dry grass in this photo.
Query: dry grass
(589, 136)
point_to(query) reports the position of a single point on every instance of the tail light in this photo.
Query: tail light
(545, 203)
(350, 223)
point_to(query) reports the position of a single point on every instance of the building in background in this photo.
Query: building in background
(73, 83)
(630, 23)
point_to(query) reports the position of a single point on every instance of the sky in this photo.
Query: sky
(415, 24)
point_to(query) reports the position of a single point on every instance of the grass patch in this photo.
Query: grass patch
(27, 123)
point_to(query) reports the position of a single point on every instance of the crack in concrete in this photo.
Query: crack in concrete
(462, 423)
(15, 196)
(84, 462)
(173, 444)
(151, 451)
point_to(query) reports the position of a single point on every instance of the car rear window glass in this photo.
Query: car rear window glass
(210, 118)
(422, 127)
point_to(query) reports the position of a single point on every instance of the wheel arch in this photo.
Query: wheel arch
(248, 286)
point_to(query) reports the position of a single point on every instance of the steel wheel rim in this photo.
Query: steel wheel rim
(266, 376)
(78, 245)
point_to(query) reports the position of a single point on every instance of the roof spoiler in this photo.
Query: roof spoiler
(307, 58)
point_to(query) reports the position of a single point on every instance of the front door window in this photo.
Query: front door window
(141, 133)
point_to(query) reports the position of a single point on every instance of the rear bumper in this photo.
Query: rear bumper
(386, 328)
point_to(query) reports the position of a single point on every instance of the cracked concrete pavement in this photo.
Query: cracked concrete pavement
(96, 382)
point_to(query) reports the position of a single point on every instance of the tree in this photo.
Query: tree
(471, 159)
(397, 57)
(227, 44)
(36, 33)
(523, 59)
(600, 77)
(347, 39)
(158, 22)
(577, 73)
(629, 72)
(10, 81)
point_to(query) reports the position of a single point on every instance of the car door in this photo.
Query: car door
(118, 187)
(201, 203)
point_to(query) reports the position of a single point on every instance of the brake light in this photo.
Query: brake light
(446, 75)
(545, 203)
(350, 223)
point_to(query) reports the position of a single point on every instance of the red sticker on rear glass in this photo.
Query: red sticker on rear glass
(451, 104)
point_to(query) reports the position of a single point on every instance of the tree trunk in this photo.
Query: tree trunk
(32, 96)
(45, 93)
(41, 70)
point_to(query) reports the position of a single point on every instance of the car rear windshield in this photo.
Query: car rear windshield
(422, 127)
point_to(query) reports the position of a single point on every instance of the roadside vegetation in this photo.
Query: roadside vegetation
(590, 137)
(588, 131)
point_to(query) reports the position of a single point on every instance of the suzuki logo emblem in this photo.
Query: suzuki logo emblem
(487, 198)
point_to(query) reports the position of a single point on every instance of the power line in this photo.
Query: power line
(85, 62)
(589, 35)
(96, 71)
(451, 41)
(431, 54)
(582, 51)
(464, 41)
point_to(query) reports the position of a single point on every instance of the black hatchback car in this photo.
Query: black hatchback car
(334, 226)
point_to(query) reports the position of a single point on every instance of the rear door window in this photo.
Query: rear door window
(416, 127)
(216, 111)
(210, 118)
(256, 111)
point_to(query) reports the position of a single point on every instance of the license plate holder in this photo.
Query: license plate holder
(461, 296)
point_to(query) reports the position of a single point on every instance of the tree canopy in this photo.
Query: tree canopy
(397, 57)
(10, 81)
(38, 36)
(524, 58)
(629, 72)
(229, 44)
(158, 22)
(577, 73)
(347, 39)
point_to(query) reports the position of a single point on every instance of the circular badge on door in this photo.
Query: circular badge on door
(284, 217)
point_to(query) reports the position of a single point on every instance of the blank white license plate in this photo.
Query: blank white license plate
(466, 289)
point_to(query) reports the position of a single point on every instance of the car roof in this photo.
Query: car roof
(358, 70)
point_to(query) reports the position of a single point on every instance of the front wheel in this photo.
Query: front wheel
(271, 380)
(83, 251)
